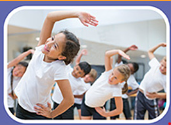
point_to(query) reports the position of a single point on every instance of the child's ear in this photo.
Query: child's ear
(61, 57)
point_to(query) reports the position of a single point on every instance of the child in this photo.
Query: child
(91, 77)
(16, 70)
(77, 85)
(88, 80)
(131, 83)
(47, 67)
(105, 87)
(154, 81)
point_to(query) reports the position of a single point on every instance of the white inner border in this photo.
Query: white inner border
(80, 8)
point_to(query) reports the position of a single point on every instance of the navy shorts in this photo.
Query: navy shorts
(67, 115)
(24, 114)
(78, 106)
(142, 104)
(88, 111)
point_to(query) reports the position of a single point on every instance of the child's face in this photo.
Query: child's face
(163, 67)
(77, 72)
(115, 77)
(19, 71)
(54, 47)
(88, 78)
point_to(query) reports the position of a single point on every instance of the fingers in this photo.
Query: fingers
(89, 20)
(40, 105)
(49, 105)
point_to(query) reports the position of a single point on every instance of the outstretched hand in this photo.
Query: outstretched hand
(86, 19)
(84, 52)
(121, 53)
(133, 47)
(42, 110)
(163, 44)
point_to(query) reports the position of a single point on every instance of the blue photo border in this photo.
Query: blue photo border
(7, 6)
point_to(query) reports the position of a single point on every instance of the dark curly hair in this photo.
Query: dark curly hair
(71, 48)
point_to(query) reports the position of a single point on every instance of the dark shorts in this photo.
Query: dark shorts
(88, 111)
(78, 106)
(126, 108)
(67, 115)
(11, 110)
(24, 114)
(142, 104)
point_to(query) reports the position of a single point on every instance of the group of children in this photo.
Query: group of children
(51, 64)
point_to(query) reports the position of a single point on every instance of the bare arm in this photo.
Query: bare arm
(83, 52)
(67, 102)
(132, 92)
(55, 16)
(133, 47)
(156, 95)
(117, 111)
(15, 61)
(109, 54)
(152, 50)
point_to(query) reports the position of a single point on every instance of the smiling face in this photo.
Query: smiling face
(88, 78)
(54, 47)
(77, 72)
(115, 77)
(163, 67)
(19, 71)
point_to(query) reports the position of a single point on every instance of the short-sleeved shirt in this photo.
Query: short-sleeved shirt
(77, 86)
(78, 92)
(15, 82)
(36, 84)
(131, 82)
(101, 91)
(153, 80)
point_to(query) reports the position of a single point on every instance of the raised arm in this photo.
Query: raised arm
(152, 50)
(83, 52)
(109, 54)
(85, 18)
(133, 47)
(15, 61)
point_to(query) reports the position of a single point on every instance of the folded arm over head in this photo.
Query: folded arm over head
(15, 61)
(109, 54)
(85, 18)
(133, 47)
(152, 50)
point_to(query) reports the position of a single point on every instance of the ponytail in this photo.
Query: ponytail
(12, 91)
(125, 88)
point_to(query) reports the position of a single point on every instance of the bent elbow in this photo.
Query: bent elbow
(70, 100)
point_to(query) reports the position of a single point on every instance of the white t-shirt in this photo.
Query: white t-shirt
(154, 80)
(77, 86)
(15, 82)
(131, 82)
(101, 91)
(78, 92)
(36, 84)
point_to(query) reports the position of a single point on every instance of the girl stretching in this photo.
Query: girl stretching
(47, 67)
(105, 87)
